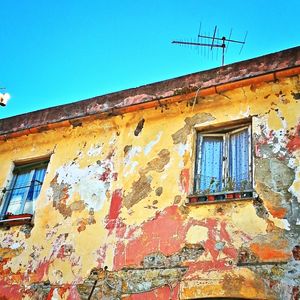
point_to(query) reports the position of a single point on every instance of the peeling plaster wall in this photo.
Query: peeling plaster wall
(112, 222)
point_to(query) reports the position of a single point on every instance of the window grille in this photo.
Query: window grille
(24, 189)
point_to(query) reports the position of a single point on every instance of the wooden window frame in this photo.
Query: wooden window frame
(225, 131)
(19, 167)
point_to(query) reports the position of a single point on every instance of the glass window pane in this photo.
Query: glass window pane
(239, 159)
(25, 189)
(15, 196)
(34, 191)
(36, 184)
(211, 164)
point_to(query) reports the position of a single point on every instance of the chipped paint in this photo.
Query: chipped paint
(112, 222)
(180, 136)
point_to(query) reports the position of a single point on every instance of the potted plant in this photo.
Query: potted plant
(193, 199)
(237, 195)
(244, 185)
(210, 197)
(230, 187)
(246, 192)
(209, 190)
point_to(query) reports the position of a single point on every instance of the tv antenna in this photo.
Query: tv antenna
(216, 42)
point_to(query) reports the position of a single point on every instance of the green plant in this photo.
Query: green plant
(230, 184)
(218, 186)
(209, 189)
(244, 185)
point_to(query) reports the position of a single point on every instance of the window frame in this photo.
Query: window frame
(225, 131)
(20, 167)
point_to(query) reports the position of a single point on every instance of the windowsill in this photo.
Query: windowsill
(16, 220)
(219, 201)
(224, 197)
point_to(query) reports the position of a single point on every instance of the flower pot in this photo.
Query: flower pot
(230, 196)
(210, 198)
(194, 199)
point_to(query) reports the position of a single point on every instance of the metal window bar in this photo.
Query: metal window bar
(25, 186)
(27, 192)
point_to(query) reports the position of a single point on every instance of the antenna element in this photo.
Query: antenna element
(223, 42)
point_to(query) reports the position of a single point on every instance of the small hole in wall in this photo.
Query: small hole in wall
(296, 252)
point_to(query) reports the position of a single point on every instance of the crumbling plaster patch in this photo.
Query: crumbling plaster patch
(275, 169)
(150, 145)
(142, 187)
(113, 285)
(275, 174)
(157, 270)
(91, 183)
(180, 136)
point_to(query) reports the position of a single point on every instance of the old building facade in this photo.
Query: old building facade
(183, 189)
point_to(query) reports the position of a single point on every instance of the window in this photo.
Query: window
(24, 189)
(223, 161)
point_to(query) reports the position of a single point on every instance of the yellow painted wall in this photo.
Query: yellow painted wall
(92, 163)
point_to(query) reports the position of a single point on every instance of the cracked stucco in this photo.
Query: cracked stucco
(117, 199)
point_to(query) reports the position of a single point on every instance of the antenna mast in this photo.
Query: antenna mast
(222, 42)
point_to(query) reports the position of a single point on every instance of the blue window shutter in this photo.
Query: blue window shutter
(211, 163)
(239, 158)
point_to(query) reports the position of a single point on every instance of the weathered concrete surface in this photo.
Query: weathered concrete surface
(113, 285)
(115, 195)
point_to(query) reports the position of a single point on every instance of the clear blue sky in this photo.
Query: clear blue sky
(61, 51)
